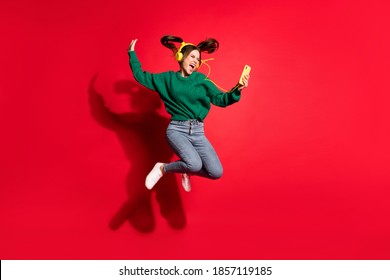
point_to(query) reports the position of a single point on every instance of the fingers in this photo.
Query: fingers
(245, 81)
(132, 45)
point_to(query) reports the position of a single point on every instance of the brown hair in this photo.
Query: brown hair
(209, 45)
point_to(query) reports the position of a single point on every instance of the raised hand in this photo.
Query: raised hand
(132, 45)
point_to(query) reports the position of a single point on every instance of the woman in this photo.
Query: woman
(187, 95)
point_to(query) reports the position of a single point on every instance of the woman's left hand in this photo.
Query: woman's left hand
(245, 81)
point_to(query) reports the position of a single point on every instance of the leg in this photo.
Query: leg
(197, 155)
(211, 165)
(180, 142)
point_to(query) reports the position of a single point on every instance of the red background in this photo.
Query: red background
(305, 151)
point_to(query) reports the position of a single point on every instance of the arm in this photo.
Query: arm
(223, 99)
(144, 78)
(219, 98)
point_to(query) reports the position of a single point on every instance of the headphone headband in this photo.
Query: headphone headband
(179, 54)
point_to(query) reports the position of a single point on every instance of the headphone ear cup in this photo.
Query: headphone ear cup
(179, 56)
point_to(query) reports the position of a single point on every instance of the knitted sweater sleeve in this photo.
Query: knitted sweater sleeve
(219, 98)
(143, 77)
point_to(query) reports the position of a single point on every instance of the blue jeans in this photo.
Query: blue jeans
(197, 155)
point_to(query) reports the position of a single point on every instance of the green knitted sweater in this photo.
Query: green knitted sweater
(184, 98)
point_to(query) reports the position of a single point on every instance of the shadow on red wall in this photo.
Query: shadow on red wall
(142, 135)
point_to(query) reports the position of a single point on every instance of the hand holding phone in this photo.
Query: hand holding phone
(246, 71)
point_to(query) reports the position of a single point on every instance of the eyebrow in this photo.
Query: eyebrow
(198, 58)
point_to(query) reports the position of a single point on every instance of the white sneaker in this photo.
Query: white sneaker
(185, 182)
(153, 176)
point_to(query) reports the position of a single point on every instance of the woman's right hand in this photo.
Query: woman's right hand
(132, 45)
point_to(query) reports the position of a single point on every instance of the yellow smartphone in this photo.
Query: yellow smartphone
(247, 70)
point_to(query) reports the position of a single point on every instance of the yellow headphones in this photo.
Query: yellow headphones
(179, 55)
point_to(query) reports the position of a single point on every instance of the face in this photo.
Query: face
(190, 63)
